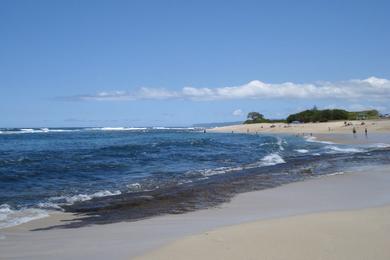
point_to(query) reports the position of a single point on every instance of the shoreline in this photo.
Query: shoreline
(361, 188)
(333, 131)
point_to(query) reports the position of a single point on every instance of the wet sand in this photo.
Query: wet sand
(379, 138)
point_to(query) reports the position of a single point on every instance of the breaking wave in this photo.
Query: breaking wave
(12, 217)
(69, 200)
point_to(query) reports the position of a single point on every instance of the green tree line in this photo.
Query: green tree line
(316, 115)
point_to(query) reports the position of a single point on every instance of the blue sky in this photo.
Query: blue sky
(172, 63)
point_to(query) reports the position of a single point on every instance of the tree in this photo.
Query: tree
(315, 115)
(255, 116)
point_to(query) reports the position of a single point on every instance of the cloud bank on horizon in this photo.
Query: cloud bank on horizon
(371, 89)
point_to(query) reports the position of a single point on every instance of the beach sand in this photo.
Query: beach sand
(334, 127)
(358, 189)
(359, 234)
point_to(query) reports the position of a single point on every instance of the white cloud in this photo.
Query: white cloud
(370, 89)
(237, 112)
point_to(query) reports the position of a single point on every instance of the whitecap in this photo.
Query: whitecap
(272, 159)
(172, 128)
(280, 143)
(313, 139)
(343, 150)
(119, 128)
(301, 150)
(220, 170)
(68, 200)
(134, 186)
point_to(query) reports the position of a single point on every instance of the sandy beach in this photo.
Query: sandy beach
(358, 234)
(334, 127)
(357, 189)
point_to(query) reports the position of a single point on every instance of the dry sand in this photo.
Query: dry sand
(373, 126)
(361, 234)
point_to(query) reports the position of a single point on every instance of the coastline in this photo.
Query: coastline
(333, 131)
(360, 188)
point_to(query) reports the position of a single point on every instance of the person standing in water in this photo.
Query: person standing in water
(365, 130)
(354, 131)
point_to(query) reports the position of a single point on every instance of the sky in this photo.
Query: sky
(176, 63)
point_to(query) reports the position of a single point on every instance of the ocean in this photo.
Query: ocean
(125, 174)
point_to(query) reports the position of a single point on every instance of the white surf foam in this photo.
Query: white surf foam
(134, 186)
(35, 131)
(118, 128)
(343, 150)
(10, 217)
(172, 128)
(268, 160)
(272, 159)
(280, 143)
(313, 139)
(61, 200)
(49, 205)
(335, 173)
(220, 170)
(379, 145)
(301, 150)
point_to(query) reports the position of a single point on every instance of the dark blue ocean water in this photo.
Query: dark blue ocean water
(43, 169)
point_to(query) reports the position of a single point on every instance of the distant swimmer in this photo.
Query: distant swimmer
(204, 130)
(354, 131)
